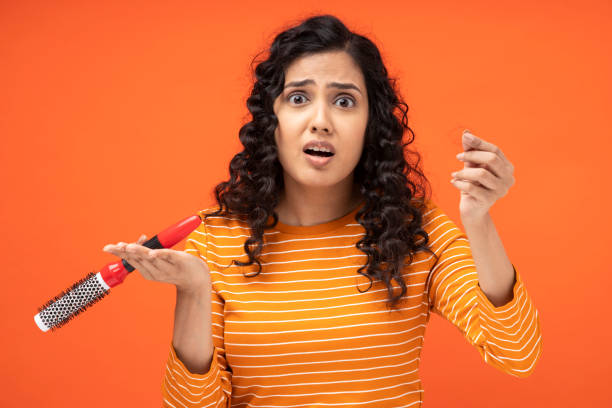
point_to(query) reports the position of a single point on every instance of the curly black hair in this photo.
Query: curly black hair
(395, 192)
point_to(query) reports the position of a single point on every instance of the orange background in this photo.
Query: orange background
(118, 118)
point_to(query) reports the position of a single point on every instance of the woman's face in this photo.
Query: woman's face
(330, 105)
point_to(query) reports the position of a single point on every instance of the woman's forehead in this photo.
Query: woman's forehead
(322, 68)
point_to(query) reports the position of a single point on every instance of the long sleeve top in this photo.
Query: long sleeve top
(309, 331)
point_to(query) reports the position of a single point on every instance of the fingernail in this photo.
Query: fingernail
(468, 136)
(460, 156)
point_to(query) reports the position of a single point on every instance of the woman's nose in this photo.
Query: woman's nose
(314, 129)
(320, 121)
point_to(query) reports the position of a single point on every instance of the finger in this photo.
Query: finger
(472, 142)
(164, 255)
(139, 258)
(480, 176)
(120, 245)
(477, 192)
(114, 249)
(488, 160)
(122, 248)
(123, 251)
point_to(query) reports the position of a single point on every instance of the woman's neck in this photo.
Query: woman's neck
(305, 210)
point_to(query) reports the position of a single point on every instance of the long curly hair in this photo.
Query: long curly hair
(395, 192)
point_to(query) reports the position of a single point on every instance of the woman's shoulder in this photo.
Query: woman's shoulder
(215, 220)
(433, 217)
(426, 206)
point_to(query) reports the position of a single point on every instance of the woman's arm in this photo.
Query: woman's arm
(192, 338)
(486, 177)
(496, 276)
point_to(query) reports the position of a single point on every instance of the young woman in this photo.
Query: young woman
(311, 281)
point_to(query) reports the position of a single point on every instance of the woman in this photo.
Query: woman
(322, 224)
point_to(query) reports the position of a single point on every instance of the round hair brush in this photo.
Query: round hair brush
(93, 287)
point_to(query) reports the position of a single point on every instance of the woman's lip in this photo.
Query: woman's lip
(320, 143)
(318, 161)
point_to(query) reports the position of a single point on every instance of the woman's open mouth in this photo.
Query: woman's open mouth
(318, 158)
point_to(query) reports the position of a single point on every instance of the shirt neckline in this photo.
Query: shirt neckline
(318, 228)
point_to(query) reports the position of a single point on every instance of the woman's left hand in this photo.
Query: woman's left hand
(487, 176)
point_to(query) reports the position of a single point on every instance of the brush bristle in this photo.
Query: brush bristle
(71, 302)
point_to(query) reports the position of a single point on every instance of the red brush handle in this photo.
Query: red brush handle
(175, 234)
(115, 272)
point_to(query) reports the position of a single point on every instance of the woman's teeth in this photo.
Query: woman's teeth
(318, 153)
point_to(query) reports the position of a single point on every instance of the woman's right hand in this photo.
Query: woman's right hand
(190, 274)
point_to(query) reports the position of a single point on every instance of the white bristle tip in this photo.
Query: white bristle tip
(40, 323)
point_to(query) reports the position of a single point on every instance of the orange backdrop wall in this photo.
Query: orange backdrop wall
(118, 118)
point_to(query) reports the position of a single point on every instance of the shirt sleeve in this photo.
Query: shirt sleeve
(182, 388)
(507, 337)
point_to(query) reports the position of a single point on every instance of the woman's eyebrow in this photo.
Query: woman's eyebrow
(330, 85)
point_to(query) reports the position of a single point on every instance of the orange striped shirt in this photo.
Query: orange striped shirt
(301, 334)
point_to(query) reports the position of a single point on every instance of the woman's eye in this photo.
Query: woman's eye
(350, 101)
(294, 95)
(347, 99)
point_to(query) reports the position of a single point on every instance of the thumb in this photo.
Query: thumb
(142, 239)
